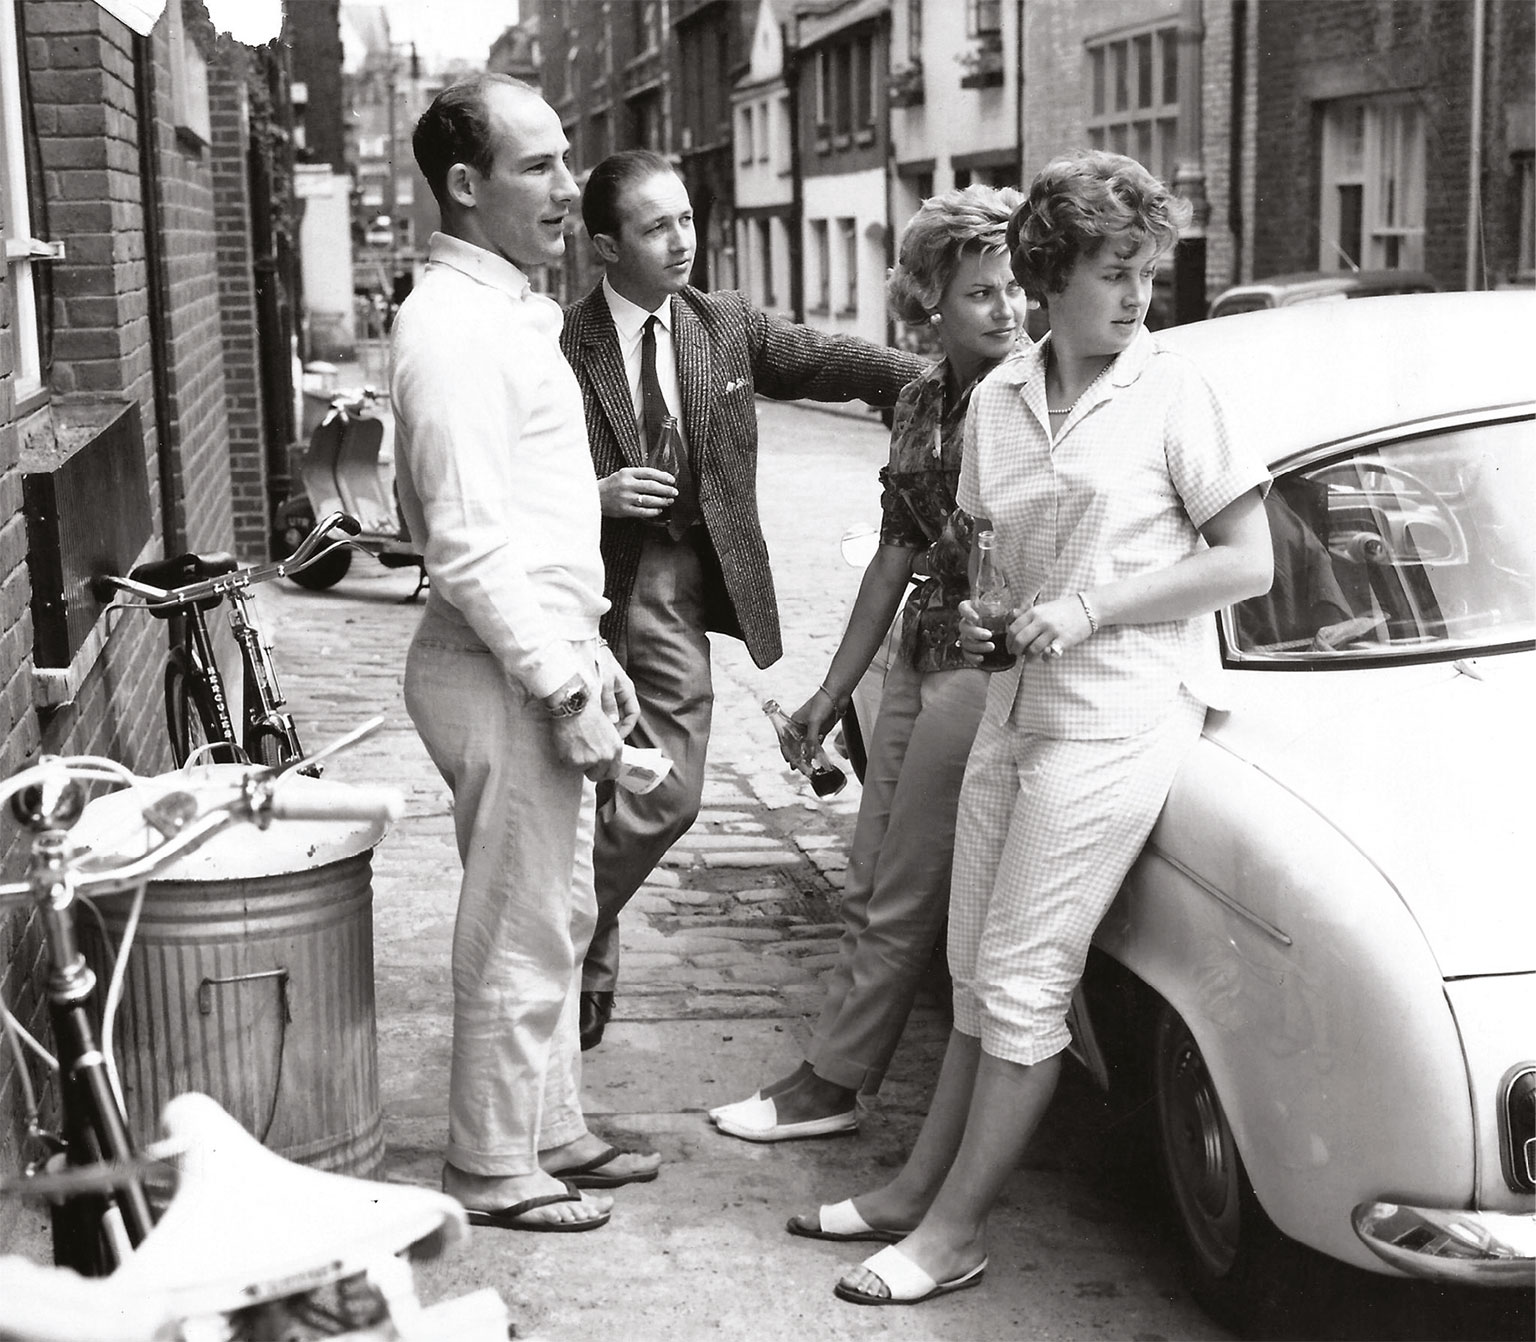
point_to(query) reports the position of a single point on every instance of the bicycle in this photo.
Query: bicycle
(247, 1245)
(197, 706)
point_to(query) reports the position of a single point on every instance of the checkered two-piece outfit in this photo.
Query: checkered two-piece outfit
(1075, 756)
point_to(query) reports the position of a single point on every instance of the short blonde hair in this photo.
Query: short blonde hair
(945, 228)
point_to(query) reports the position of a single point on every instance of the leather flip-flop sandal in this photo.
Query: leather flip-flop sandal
(589, 1173)
(511, 1218)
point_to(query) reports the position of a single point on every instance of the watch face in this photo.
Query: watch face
(571, 705)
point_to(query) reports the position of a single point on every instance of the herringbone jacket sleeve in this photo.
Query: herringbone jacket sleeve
(791, 363)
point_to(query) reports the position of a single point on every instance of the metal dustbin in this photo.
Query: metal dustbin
(250, 977)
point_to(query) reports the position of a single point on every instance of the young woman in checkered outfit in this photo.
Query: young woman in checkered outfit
(1124, 516)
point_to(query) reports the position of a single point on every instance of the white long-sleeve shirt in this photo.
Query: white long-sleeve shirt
(496, 483)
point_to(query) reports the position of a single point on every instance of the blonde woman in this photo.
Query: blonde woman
(953, 273)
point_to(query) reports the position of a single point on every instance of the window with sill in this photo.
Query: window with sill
(848, 239)
(746, 153)
(25, 253)
(1134, 97)
(983, 18)
(1373, 174)
(821, 277)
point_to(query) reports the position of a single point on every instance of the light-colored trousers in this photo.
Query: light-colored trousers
(1046, 832)
(896, 892)
(666, 652)
(523, 820)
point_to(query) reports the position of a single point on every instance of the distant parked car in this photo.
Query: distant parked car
(1322, 969)
(1310, 286)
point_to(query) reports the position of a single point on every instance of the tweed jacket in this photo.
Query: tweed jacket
(727, 353)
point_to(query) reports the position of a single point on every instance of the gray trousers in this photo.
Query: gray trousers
(666, 653)
(523, 820)
(896, 893)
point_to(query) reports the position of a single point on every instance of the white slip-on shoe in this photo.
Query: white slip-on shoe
(714, 1114)
(757, 1120)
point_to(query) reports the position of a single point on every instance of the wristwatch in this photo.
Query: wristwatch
(571, 705)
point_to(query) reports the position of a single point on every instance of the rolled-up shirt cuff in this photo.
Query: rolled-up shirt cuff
(557, 663)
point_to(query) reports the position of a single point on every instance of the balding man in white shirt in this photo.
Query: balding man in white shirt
(517, 699)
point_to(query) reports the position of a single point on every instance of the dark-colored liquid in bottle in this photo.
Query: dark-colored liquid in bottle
(999, 659)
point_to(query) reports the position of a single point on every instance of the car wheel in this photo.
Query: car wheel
(1236, 1255)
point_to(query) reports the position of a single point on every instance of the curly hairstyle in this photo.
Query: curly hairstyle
(456, 128)
(1075, 203)
(945, 228)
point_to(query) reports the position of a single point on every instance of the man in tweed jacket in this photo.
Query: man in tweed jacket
(713, 353)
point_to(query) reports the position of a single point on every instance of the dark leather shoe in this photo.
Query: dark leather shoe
(596, 1012)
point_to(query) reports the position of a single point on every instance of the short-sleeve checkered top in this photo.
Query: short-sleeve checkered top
(1142, 462)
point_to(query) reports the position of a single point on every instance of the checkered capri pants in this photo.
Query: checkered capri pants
(1047, 830)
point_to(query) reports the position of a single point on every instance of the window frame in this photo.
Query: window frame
(1385, 242)
(23, 249)
(1145, 125)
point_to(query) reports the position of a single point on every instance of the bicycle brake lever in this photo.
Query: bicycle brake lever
(341, 743)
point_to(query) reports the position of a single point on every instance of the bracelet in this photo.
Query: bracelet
(831, 698)
(1093, 624)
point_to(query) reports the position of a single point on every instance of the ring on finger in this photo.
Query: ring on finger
(1055, 649)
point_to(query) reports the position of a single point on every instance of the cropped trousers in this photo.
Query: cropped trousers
(1047, 830)
(523, 821)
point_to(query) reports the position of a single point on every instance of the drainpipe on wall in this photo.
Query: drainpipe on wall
(172, 535)
(791, 66)
(1018, 94)
(1235, 219)
(1475, 149)
(1189, 175)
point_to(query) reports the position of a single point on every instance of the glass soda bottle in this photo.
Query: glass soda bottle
(826, 778)
(666, 454)
(993, 602)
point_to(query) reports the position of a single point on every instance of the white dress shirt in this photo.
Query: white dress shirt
(629, 322)
(495, 479)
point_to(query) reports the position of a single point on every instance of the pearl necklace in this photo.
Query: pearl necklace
(1082, 393)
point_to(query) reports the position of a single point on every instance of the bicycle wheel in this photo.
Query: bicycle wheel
(190, 716)
(270, 745)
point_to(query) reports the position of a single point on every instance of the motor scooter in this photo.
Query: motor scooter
(348, 466)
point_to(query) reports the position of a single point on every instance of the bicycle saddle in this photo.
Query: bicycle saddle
(246, 1226)
(179, 570)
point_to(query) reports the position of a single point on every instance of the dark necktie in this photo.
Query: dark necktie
(653, 409)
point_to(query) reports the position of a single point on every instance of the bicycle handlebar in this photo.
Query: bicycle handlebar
(313, 548)
(260, 795)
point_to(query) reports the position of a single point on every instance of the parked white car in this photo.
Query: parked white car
(1324, 964)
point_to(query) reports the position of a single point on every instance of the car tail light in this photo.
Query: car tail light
(1517, 1128)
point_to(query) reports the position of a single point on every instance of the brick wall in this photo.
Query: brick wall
(83, 87)
(1315, 51)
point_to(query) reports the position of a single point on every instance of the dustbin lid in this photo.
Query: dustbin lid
(113, 827)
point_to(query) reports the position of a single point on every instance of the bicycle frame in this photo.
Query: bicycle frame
(194, 684)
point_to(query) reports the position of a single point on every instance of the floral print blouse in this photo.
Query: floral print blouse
(918, 511)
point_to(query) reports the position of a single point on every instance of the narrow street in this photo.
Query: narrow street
(723, 953)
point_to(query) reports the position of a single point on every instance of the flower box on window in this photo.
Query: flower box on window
(982, 64)
(905, 85)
